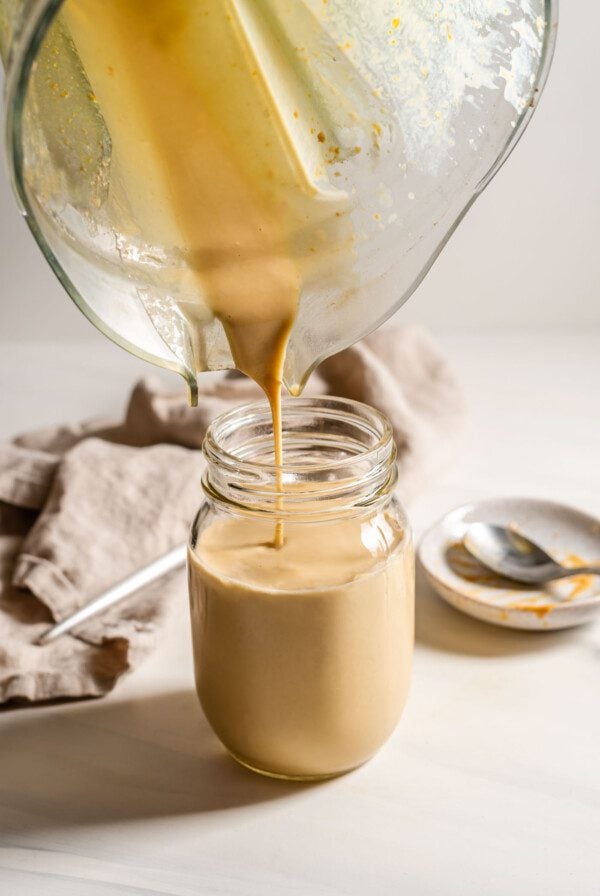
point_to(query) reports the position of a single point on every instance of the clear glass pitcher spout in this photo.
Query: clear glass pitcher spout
(341, 144)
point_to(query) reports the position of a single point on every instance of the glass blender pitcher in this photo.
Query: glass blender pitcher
(374, 126)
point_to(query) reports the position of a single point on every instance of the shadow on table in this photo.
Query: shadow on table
(94, 763)
(442, 627)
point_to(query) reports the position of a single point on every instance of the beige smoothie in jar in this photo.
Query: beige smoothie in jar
(302, 653)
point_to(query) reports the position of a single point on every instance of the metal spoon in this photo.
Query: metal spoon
(155, 570)
(514, 556)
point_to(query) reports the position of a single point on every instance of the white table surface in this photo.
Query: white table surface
(491, 783)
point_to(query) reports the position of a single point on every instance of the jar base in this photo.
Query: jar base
(297, 779)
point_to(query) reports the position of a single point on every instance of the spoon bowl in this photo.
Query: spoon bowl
(514, 556)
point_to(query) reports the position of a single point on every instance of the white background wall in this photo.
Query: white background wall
(527, 253)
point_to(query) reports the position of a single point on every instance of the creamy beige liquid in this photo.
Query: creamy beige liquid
(215, 152)
(302, 655)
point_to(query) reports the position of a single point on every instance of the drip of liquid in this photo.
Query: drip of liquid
(272, 388)
(209, 159)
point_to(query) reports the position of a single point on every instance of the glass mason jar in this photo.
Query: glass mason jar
(302, 653)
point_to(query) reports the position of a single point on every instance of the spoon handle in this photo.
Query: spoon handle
(168, 562)
(578, 571)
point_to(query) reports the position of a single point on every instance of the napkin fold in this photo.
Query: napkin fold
(84, 506)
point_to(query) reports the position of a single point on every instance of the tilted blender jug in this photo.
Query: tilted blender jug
(383, 121)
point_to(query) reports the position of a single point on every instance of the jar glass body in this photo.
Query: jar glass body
(303, 654)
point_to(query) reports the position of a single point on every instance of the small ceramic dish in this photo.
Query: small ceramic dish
(570, 536)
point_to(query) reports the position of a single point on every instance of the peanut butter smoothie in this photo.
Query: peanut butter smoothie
(303, 655)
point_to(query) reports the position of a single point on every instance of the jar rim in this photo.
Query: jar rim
(326, 405)
(340, 459)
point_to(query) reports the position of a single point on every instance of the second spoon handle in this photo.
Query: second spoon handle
(579, 571)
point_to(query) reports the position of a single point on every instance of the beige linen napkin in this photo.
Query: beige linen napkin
(83, 506)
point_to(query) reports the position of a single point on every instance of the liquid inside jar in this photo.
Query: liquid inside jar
(303, 654)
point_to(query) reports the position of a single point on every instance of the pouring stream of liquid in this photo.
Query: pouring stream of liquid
(202, 154)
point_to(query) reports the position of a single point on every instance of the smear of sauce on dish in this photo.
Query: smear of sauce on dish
(527, 598)
(540, 610)
(581, 583)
